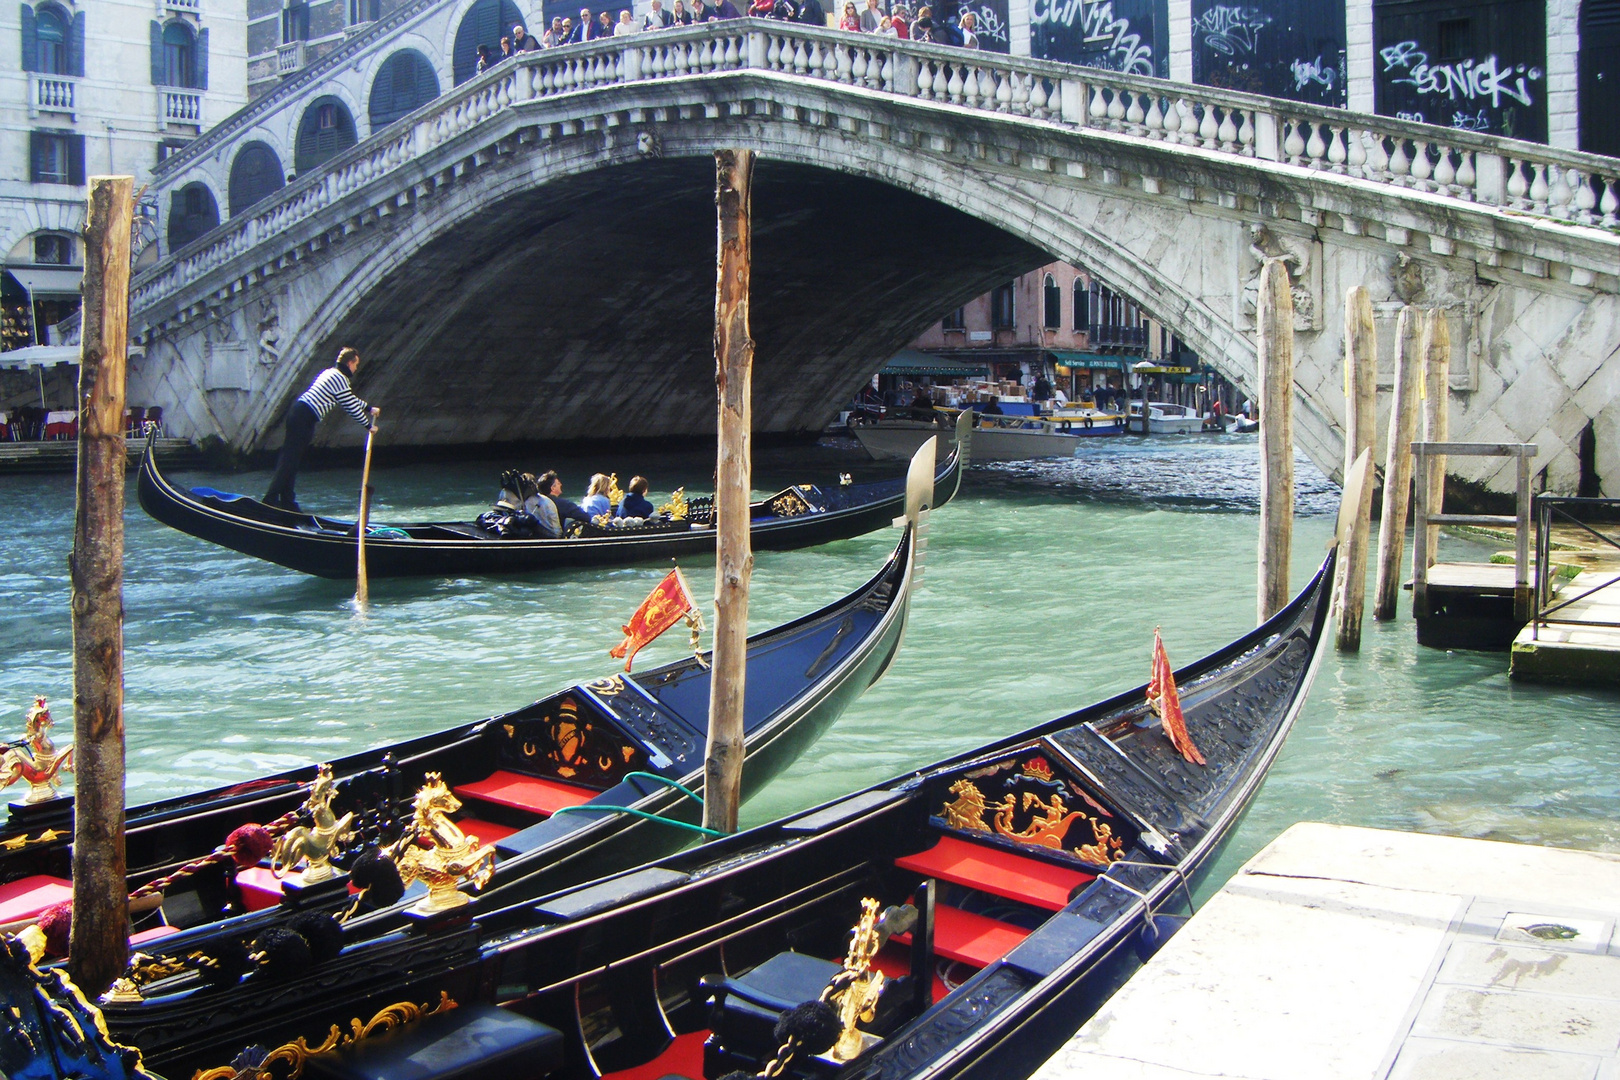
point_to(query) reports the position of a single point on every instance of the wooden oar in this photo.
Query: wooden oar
(361, 585)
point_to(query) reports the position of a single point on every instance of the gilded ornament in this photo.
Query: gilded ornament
(857, 1001)
(676, 508)
(36, 759)
(297, 1054)
(454, 857)
(967, 811)
(316, 844)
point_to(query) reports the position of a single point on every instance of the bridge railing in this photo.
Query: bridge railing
(1465, 166)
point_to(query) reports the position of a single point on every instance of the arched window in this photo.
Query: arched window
(53, 249)
(179, 55)
(485, 23)
(192, 212)
(255, 173)
(51, 38)
(1082, 305)
(326, 129)
(1051, 304)
(404, 83)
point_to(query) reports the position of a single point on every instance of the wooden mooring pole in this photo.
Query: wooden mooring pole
(99, 940)
(1360, 431)
(1398, 461)
(734, 558)
(1436, 421)
(1274, 325)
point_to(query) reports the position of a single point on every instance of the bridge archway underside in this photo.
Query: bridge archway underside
(575, 235)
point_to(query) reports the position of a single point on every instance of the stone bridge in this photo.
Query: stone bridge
(530, 254)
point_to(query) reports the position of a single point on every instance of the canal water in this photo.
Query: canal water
(1043, 584)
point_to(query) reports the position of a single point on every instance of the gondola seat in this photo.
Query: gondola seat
(1001, 873)
(26, 897)
(260, 888)
(971, 938)
(473, 1040)
(536, 794)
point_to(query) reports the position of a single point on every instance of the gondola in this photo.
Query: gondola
(600, 776)
(800, 516)
(1002, 894)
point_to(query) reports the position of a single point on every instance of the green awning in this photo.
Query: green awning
(1069, 358)
(910, 362)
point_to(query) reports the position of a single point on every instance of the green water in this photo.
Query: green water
(1043, 584)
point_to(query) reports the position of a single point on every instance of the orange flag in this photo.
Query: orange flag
(666, 606)
(1163, 699)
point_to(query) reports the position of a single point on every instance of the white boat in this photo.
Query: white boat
(891, 440)
(1167, 419)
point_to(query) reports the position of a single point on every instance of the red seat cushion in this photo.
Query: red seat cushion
(535, 794)
(894, 962)
(26, 897)
(153, 934)
(972, 939)
(998, 872)
(487, 831)
(260, 888)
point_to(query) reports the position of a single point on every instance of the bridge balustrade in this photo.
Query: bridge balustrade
(1567, 186)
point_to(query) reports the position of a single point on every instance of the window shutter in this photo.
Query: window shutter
(202, 60)
(30, 42)
(75, 46)
(75, 159)
(157, 53)
(33, 157)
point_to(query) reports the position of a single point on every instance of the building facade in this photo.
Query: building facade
(100, 87)
(1059, 322)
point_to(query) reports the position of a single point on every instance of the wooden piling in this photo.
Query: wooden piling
(734, 562)
(1360, 431)
(1436, 421)
(99, 941)
(1398, 461)
(1274, 326)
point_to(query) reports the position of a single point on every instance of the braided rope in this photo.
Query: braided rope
(213, 858)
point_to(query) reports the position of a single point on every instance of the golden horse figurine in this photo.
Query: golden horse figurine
(454, 857)
(36, 759)
(967, 811)
(315, 844)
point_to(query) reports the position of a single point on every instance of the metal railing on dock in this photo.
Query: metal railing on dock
(1519, 520)
(1565, 508)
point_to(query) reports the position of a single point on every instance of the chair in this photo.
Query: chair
(134, 420)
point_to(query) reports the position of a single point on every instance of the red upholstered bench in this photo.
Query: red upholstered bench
(487, 831)
(972, 939)
(153, 934)
(535, 794)
(998, 872)
(260, 888)
(26, 897)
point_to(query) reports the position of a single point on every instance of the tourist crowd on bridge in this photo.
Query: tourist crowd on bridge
(871, 17)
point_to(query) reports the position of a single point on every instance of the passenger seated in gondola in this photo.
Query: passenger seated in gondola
(521, 512)
(567, 509)
(636, 504)
(596, 501)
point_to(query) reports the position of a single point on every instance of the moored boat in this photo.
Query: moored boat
(996, 896)
(1165, 418)
(595, 778)
(798, 516)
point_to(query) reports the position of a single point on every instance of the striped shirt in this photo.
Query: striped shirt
(331, 387)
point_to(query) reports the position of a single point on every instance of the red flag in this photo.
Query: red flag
(1163, 699)
(664, 607)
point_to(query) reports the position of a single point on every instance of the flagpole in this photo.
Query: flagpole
(734, 559)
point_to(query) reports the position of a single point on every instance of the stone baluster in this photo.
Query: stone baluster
(1116, 110)
(1560, 191)
(1315, 148)
(1465, 173)
(1006, 96)
(1400, 166)
(1037, 97)
(925, 79)
(1336, 152)
(1609, 203)
(773, 53)
(1445, 174)
(829, 62)
(1293, 144)
(1098, 108)
(706, 60)
(1188, 125)
(852, 67)
(1585, 199)
(1516, 187)
(733, 55)
(886, 75)
(1378, 158)
(814, 69)
(1421, 168)
(1153, 121)
(1134, 115)
(954, 85)
(1538, 187)
(1227, 132)
(1246, 133)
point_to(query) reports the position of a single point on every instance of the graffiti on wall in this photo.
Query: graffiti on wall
(1281, 48)
(1113, 34)
(991, 16)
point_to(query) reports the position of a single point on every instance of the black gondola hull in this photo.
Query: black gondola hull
(326, 548)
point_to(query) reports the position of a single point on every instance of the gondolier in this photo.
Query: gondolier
(330, 388)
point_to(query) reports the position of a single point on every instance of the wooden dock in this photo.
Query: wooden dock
(1343, 953)
(1583, 645)
(62, 455)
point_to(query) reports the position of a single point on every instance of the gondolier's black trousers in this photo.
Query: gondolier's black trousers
(301, 421)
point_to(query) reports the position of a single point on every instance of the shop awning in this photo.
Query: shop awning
(43, 281)
(39, 356)
(1072, 359)
(911, 362)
